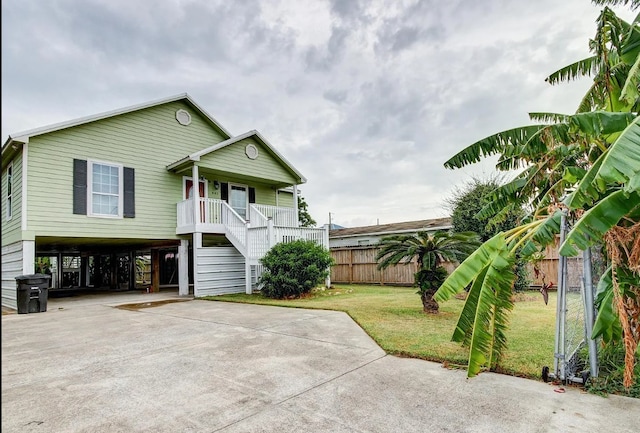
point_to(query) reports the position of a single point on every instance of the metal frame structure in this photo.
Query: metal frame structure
(566, 353)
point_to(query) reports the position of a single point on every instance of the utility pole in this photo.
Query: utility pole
(330, 226)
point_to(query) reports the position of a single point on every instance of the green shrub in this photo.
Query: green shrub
(294, 268)
(611, 372)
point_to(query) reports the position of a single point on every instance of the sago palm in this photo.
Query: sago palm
(430, 250)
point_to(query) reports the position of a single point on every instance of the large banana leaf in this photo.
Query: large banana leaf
(586, 191)
(483, 321)
(493, 144)
(607, 324)
(630, 89)
(588, 66)
(464, 327)
(597, 123)
(470, 268)
(622, 160)
(600, 219)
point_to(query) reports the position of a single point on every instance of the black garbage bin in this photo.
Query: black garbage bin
(33, 292)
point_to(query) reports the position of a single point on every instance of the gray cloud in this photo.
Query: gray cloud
(367, 99)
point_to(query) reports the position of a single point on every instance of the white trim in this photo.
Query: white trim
(28, 257)
(23, 187)
(8, 200)
(184, 186)
(90, 164)
(295, 204)
(183, 267)
(24, 136)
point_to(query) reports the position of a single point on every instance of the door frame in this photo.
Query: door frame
(184, 187)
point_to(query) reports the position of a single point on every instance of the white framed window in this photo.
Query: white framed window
(104, 189)
(9, 202)
(239, 199)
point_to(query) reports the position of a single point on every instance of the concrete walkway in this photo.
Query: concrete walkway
(199, 366)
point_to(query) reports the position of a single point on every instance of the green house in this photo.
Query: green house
(109, 202)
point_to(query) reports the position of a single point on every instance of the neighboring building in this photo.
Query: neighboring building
(354, 252)
(107, 201)
(371, 235)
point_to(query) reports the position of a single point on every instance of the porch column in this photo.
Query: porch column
(29, 257)
(295, 205)
(196, 195)
(155, 271)
(197, 244)
(270, 241)
(183, 267)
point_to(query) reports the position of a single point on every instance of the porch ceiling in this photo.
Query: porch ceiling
(78, 245)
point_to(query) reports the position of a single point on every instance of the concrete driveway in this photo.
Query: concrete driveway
(199, 366)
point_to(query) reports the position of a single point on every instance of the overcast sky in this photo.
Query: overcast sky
(366, 98)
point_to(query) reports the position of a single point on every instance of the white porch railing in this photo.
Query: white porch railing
(211, 212)
(185, 213)
(256, 218)
(253, 240)
(236, 227)
(281, 216)
(288, 234)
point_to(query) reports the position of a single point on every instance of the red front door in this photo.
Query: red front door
(189, 194)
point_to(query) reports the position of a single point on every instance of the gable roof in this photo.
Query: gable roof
(395, 228)
(187, 160)
(23, 137)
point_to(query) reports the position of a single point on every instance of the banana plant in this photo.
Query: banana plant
(614, 215)
(594, 153)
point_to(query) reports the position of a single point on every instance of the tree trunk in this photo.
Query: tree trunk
(429, 305)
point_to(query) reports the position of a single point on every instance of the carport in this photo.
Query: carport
(107, 265)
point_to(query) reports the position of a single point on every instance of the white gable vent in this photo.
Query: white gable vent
(251, 151)
(183, 117)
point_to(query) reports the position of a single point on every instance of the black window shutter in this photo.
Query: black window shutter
(129, 184)
(79, 187)
(224, 191)
(252, 195)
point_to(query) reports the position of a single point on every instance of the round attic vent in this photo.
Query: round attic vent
(251, 151)
(183, 117)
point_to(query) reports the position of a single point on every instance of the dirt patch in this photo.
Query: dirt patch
(6, 311)
(141, 305)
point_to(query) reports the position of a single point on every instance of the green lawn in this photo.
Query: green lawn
(393, 317)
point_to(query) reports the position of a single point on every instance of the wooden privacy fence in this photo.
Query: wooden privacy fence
(357, 265)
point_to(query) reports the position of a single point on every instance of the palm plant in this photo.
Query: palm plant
(587, 164)
(430, 251)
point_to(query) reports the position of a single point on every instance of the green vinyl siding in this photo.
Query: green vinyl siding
(232, 159)
(265, 194)
(12, 228)
(145, 140)
(285, 199)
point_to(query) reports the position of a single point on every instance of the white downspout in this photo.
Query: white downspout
(247, 262)
(183, 267)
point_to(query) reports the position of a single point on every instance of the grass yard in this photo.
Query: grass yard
(393, 317)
